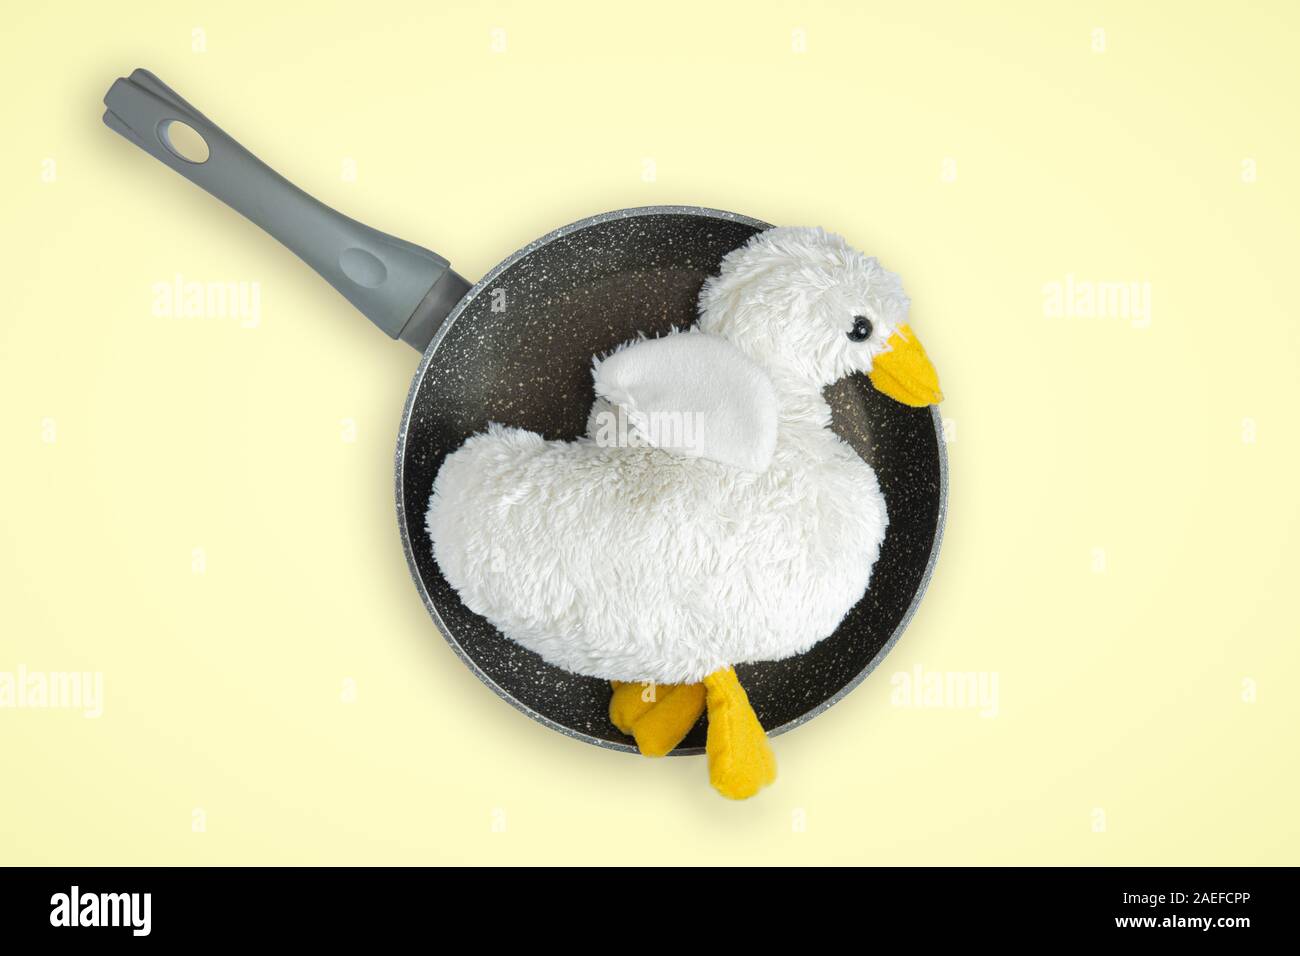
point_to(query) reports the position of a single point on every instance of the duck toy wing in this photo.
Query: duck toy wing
(709, 516)
(691, 394)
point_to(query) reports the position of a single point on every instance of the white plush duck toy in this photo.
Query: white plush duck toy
(710, 517)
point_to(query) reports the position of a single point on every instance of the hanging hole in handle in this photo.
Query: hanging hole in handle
(184, 140)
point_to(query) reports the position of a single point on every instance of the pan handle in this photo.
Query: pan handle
(405, 290)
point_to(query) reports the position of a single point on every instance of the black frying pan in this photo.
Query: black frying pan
(517, 348)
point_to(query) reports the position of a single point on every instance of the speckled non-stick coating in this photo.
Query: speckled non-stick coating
(518, 350)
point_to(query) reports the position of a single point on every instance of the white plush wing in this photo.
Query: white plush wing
(689, 393)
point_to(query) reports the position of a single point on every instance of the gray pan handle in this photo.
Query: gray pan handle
(405, 290)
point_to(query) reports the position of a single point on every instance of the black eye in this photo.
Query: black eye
(861, 329)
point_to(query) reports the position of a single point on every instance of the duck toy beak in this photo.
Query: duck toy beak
(903, 371)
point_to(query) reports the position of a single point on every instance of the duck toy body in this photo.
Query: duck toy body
(709, 517)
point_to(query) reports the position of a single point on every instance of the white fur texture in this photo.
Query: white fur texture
(634, 563)
(696, 395)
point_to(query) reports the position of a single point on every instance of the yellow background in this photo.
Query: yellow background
(1119, 550)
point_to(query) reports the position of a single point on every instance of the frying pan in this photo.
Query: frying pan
(516, 348)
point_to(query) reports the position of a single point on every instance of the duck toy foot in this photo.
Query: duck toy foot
(658, 717)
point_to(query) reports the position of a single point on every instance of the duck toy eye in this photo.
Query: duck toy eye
(861, 330)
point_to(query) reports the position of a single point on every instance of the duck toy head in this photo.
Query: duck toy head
(811, 309)
(710, 516)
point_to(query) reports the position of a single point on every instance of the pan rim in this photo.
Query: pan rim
(408, 546)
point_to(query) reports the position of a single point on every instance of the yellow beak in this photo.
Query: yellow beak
(904, 373)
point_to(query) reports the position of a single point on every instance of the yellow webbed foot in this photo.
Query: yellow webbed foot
(657, 715)
(740, 760)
